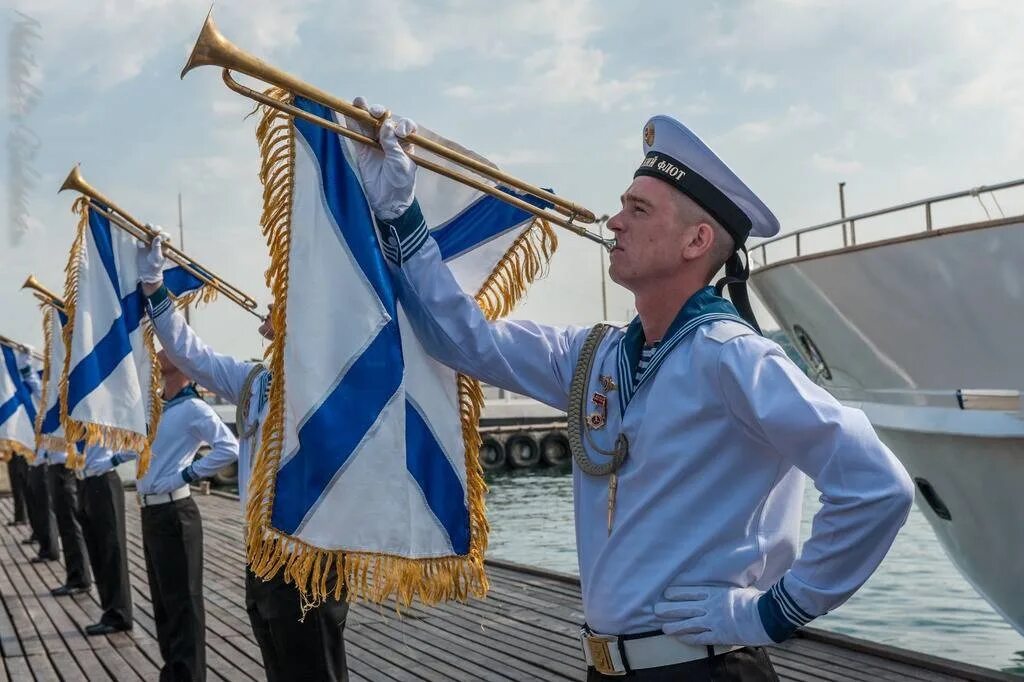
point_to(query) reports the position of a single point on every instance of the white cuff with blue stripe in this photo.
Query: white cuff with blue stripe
(780, 614)
(403, 236)
(158, 302)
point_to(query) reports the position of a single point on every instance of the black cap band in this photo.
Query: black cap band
(711, 199)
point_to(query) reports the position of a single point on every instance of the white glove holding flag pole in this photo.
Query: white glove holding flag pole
(713, 615)
(389, 176)
(23, 358)
(150, 257)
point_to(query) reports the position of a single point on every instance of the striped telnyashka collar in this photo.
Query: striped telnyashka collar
(701, 308)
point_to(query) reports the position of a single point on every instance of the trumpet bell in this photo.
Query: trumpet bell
(42, 293)
(210, 46)
(74, 181)
(213, 49)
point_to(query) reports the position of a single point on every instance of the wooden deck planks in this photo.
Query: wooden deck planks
(524, 630)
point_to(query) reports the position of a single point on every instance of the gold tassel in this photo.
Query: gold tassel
(524, 261)
(13, 447)
(76, 460)
(47, 441)
(156, 406)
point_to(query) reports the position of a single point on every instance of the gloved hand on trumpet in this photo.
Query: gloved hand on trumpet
(389, 175)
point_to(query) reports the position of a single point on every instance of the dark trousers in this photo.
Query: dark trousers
(172, 540)
(40, 512)
(101, 514)
(17, 473)
(313, 649)
(64, 492)
(749, 664)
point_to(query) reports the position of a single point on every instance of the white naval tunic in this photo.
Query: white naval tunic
(187, 422)
(721, 431)
(221, 374)
(99, 460)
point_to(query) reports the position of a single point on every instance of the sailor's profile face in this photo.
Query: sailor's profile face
(166, 366)
(648, 234)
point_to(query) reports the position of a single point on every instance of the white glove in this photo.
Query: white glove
(150, 258)
(712, 615)
(23, 360)
(389, 176)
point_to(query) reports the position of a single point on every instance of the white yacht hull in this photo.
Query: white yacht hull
(897, 328)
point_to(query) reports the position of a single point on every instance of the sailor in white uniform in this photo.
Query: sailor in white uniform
(692, 432)
(172, 528)
(294, 644)
(39, 501)
(101, 516)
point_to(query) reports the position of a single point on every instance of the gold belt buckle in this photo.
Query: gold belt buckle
(601, 655)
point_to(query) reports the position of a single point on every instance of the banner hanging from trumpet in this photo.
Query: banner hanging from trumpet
(17, 409)
(110, 381)
(49, 432)
(369, 461)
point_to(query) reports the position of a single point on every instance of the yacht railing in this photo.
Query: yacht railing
(849, 223)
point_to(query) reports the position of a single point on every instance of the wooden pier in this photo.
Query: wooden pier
(524, 630)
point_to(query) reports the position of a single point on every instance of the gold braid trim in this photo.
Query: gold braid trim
(50, 442)
(524, 261)
(93, 434)
(275, 136)
(204, 294)
(9, 448)
(76, 460)
(156, 405)
(360, 575)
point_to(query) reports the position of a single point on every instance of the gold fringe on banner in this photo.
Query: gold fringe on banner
(47, 441)
(9, 448)
(76, 459)
(362, 575)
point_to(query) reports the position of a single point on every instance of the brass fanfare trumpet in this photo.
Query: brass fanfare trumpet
(43, 294)
(144, 234)
(212, 48)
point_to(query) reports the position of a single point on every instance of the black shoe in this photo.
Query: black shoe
(42, 558)
(105, 629)
(68, 590)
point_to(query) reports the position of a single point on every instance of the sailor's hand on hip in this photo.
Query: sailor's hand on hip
(150, 258)
(700, 615)
(388, 174)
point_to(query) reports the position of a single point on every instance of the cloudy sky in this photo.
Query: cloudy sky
(900, 100)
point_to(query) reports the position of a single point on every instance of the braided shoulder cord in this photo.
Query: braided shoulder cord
(575, 426)
(244, 399)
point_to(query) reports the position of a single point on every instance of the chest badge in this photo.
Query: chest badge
(607, 383)
(598, 418)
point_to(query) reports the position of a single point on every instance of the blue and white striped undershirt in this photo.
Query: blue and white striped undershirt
(646, 355)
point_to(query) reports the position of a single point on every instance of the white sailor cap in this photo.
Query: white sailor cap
(677, 156)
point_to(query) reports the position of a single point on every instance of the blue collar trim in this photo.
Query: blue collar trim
(702, 308)
(187, 393)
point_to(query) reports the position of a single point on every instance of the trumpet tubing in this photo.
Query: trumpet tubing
(112, 212)
(213, 49)
(42, 293)
(11, 343)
